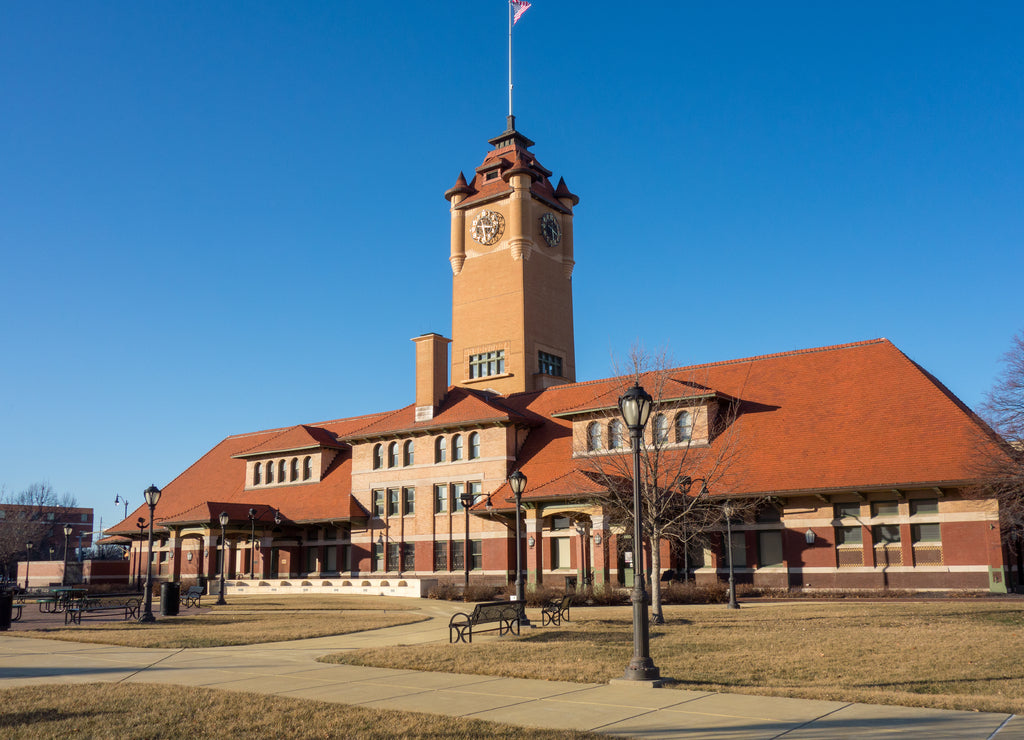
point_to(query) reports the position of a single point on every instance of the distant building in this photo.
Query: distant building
(42, 527)
(860, 456)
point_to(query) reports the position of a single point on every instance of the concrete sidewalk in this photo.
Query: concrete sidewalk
(290, 669)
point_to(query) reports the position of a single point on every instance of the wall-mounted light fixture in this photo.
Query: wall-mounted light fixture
(190, 556)
(531, 541)
(809, 536)
(597, 539)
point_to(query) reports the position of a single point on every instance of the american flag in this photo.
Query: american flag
(521, 6)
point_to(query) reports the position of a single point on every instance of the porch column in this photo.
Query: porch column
(599, 539)
(535, 554)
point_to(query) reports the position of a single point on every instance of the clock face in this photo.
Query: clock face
(550, 229)
(488, 226)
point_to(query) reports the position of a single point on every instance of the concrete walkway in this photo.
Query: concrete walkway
(290, 669)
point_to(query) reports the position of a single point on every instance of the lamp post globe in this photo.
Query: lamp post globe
(28, 561)
(224, 518)
(466, 498)
(68, 529)
(152, 496)
(517, 482)
(635, 406)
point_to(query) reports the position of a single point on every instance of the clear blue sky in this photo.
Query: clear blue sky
(223, 217)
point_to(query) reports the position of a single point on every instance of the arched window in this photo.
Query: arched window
(457, 447)
(593, 436)
(684, 426)
(407, 453)
(307, 468)
(257, 474)
(270, 472)
(615, 437)
(282, 468)
(474, 445)
(295, 470)
(440, 450)
(378, 457)
(393, 455)
(660, 429)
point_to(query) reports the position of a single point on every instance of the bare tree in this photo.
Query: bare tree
(30, 516)
(683, 485)
(1001, 465)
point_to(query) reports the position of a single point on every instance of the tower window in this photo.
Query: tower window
(487, 363)
(440, 450)
(407, 453)
(457, 447)
(549, 364)
(474, 446)
(378, 456)
(393, 455)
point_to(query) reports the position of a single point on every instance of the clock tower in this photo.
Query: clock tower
(512, 262)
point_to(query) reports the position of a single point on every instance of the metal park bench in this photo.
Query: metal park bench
(92, 606)
(504, 614)
(191, 596)
(556, 610)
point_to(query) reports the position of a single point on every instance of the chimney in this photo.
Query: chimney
(431, 373)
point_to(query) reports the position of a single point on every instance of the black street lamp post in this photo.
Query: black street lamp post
(252, 542)
(223, 548)
(68, 529)
(467, 500)
(635, 407)
(517, 481)
(119, 499)
(28, 561)
(728, 511)
(152, 495)
(141, 524)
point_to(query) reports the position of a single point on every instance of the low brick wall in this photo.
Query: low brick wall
(409, 587)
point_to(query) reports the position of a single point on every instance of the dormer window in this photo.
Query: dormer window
(660, 429)
(295, 470)
(270, 473)
(281, 468)
(393, 455)
(257, 474)
(407, 453)
(593, 436)
(615, 435)
(378, 456)
(440, 450)
(456, 447)
(684, 426)
(307, 468)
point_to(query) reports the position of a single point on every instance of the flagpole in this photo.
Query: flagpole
(510, 58)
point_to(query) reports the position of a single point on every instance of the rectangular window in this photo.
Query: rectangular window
(477, 550)
(560, 553)
(549, 364)
(885, 508)
(849, 536)
(769, 549)
(560, 522)
(457, 491)
(440, 556)
(377, 558)
(486, 364)
(441, 499)
(846, 511)
(739, 550)
(408, 556)
(475, 490)
(408, 501)
(925, 533)
(378, 503)
(921, 506)
(392, 502)
(332, 559)
(311, 564)
(392, 557)
(886, 534)
(458, 547)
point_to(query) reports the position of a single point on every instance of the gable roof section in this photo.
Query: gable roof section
(294, 439)
(848, 417)
(461, 407)
(219, 476)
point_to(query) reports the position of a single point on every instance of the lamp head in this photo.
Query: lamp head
(152, 495)
(466, 498)
(224, 518)
(635, 406)
(140, 523)
(517, 482)
(68, 529)
(277, 517)
(252, 513)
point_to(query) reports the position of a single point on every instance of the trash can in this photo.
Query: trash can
(170, 594)
(6, 609)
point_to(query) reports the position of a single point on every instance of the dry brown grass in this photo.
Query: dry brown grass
(947, 654)
(158, 711)
(244, 621)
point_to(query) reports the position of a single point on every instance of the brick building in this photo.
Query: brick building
(859, 457)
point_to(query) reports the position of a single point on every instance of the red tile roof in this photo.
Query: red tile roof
(844, 418)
